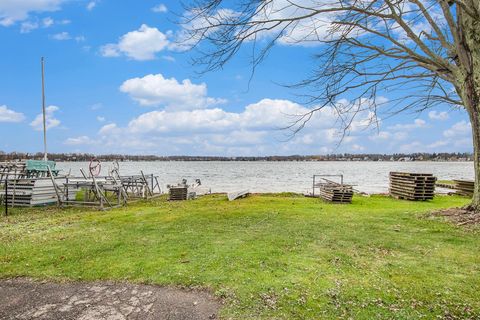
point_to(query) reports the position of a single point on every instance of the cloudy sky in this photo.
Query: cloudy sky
(119, 81)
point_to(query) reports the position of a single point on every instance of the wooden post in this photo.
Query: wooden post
(66, 190)
(313, 189)
(6, 193)
(146, 184)
(55, 187)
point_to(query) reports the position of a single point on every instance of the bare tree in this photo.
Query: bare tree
(426, 51)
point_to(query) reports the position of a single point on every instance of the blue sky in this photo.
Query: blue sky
(117, 82)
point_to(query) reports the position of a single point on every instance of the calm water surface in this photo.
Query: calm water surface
(370, 177)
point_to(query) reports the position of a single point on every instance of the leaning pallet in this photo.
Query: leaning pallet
(412, 186)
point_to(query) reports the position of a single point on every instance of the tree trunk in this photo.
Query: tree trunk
(475, 121)
(468, 49)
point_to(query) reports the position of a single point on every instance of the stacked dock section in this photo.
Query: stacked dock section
(34, 191)
(412, 186)
(30, 192)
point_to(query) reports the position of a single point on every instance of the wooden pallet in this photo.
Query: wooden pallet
(410, 174)
(178, 193)
(412, 186)
(411, 198)
(464, 187)
(336, 193)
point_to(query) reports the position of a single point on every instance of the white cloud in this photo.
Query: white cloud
(257, 129)
(96, 106)
(65, 36)
(100, 119)
(82, 140)
(458, 137)
(268, 114)
(51, 121)
(142, 44)
(417, 123)
(110, 50)
(47, 22)
(108, 129)
(357, 147)
(160, 8)
(215, 131)
(399, 136)
(169, 58)
(386, 136)
(305, 31)
(12, 11)
(445, 145)
(436, 115)
(206, 120)
(28, 26)
(80, 38)
(62, 36)
(438, 144)
(155, 90)
(381, 136)
(91, 5)
(415, 146)
(8, 115)
(186, 37)
(459, 129)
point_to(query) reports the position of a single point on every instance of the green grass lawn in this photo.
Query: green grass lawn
(268, 256)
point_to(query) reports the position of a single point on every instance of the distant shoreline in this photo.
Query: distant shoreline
(119, 160)
(397, 157)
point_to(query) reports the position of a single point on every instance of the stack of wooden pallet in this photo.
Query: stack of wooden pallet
(464, 187)
(178, 193)
(338, 193)
(31, 192)
(412, 186)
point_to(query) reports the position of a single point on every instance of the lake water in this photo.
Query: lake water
(370, 177)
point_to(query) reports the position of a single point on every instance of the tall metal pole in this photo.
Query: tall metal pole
(45, 157)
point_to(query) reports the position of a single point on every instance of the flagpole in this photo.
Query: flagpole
(45, 157)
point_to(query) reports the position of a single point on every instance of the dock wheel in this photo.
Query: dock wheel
(95, 167)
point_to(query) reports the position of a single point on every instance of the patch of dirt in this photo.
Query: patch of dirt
(460, 216)
(26, 299)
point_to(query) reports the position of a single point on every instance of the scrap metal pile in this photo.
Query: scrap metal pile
(38, 183)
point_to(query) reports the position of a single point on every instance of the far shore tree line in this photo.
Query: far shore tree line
(72, 157)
